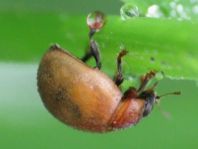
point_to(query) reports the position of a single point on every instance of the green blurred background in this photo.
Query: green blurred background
(27, 28)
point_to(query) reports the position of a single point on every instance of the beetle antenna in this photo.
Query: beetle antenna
(172, 93)
(157, 101)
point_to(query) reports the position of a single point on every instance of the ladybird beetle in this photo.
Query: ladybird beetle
(86, 98)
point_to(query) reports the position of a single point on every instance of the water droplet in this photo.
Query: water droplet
(193, 1)
(195, 9)
(159, 76)
(179, 11)
(154, 11)
(122, 46)
(131, 81)
(173, 4)
(129, 11)
(96, 20)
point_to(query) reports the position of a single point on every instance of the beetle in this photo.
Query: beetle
(86, 98)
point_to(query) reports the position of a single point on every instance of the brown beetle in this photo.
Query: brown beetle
(86, 98)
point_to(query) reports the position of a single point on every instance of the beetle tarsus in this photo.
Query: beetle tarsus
(118, 79)
(87, 56)
(91, 33)
(145, 79)
(95, 52)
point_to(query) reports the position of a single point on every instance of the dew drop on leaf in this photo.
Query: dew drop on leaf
(159, 76)
(154, 11)
(95, 20)
(129, 11)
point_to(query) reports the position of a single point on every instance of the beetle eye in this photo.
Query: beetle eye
(147, 109)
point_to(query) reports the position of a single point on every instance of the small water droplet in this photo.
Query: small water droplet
(96, 20)
(129, 11)
(195, 9)
(122, 46)
(154, 11)
(132, 81)
(159, 76)
(173, 4)
(179, 11)
(193, 1)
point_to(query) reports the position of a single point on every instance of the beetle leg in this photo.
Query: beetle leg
(87, 56)
(91, 33)
(145, 79)
(95, 52)
(118, 79)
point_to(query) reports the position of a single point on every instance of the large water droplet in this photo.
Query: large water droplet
(129, 11)
(96, 20)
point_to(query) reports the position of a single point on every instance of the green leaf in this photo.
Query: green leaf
(154, 44)
(160, 44)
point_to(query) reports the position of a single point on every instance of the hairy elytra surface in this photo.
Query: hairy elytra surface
(84, 97)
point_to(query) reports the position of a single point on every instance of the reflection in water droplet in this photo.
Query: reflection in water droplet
(195, 9)
(96, 20)
(129, 11)
(154, 11)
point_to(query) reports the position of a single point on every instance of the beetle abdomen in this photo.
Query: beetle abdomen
(76, 94)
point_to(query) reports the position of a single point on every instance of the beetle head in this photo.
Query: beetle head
(151, 98)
